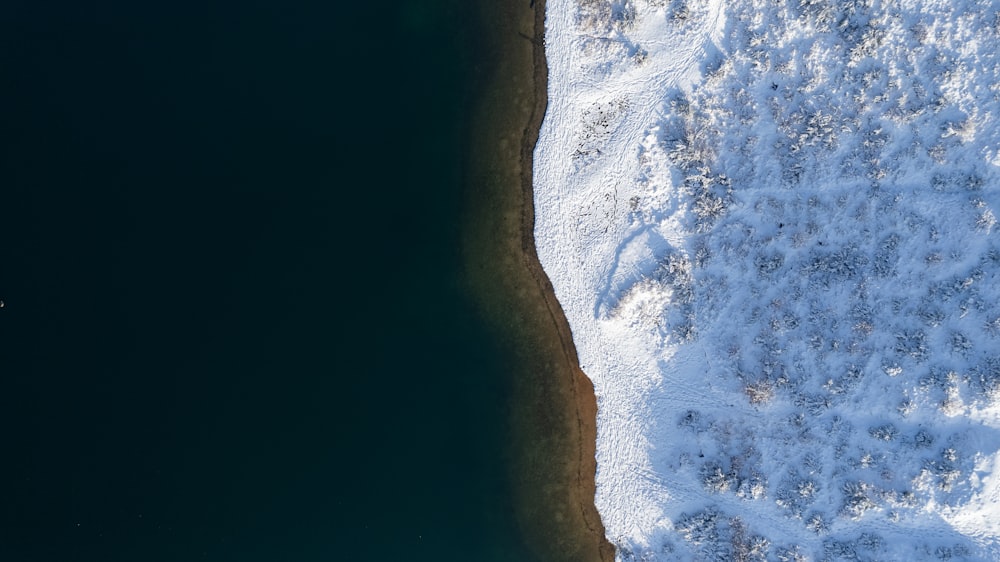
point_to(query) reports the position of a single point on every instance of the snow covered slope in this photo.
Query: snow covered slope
(772, 227)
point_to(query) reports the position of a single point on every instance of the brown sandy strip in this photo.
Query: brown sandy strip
(583, 390)
(554, 411)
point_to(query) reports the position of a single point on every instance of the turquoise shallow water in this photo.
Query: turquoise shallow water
(235, 327)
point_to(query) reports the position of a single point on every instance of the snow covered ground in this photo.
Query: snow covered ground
(772, 227)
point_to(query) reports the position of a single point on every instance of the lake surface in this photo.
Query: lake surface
(235, 325)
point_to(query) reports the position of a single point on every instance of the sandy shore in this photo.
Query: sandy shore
(553, 413)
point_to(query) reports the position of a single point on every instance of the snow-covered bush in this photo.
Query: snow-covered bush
(805, 254)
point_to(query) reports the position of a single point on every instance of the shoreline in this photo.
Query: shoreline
(553, 409)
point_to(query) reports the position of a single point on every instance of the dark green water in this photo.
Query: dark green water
(235, 323)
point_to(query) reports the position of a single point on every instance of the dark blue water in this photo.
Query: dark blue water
(234, 323)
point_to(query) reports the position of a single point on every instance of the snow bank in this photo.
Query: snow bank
(772, 228)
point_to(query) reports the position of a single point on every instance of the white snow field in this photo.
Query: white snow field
(772, 227)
